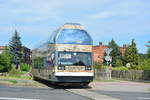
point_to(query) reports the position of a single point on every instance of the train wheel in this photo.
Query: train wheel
(35, 78)
(86, 84)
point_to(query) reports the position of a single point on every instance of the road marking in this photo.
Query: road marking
(91, 95)
(8, 98)
(144, 98)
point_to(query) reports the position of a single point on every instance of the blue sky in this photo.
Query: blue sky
(35, 20)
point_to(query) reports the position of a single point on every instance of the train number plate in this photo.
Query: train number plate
(75, 68)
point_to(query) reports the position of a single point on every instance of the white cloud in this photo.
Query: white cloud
(102, 15)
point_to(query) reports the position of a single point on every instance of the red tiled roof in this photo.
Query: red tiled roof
(2, 47)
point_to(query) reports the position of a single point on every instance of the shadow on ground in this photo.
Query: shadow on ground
(62, 85)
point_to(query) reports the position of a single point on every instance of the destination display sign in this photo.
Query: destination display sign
(72, 47)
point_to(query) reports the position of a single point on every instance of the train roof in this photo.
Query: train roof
(71, 33)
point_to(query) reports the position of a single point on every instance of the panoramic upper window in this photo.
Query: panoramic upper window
(74, 36)
(71, 33)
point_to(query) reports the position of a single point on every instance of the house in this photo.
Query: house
(99, 53)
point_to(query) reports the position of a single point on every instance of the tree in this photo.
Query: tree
(15, 49)
(148, 50)
(148, 45)
(142, 56)
(148, 53)
(131, 55)
(115, 54)
(5, 61)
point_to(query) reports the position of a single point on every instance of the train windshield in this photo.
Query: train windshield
(75, 58)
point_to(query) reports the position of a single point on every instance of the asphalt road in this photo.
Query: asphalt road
(125, 95)
(24, 93)
(122, 90)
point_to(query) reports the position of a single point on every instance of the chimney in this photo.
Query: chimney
(124, 45)
(100, 43)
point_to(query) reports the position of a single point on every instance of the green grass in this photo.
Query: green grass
(17, 75)
(8, 81)
(20, 82)
(13, 81)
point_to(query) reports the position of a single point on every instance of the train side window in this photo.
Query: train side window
(38, 62)
(35, 63)
(50, 60)
(52, 56)
(44, 62)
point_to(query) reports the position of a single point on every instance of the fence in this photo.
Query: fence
(132, 74)
(103, 74)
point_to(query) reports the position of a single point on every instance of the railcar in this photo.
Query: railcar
(66, 57)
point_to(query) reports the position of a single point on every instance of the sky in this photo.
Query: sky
(35, 20)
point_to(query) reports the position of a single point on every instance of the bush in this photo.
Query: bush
(145, 65)
(5, 64)
(25, 67)
(97, 65)
(120, 68)
(14, 72)
(1, 68)
(118, 62)
(136, 67)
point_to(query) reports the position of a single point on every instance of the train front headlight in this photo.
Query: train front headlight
(61, 67)
(88, 68)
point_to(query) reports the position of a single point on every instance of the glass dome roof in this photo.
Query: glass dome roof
(71, 33)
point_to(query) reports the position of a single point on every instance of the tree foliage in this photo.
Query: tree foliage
(148, 45)
(146, 64)
(148, 53)
(131, 55)
(115, 54)
(15, 49)
(148, 50)
(5, 61)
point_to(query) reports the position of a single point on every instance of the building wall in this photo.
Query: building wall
(98, 52)
(123, 49)
(27, 55)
